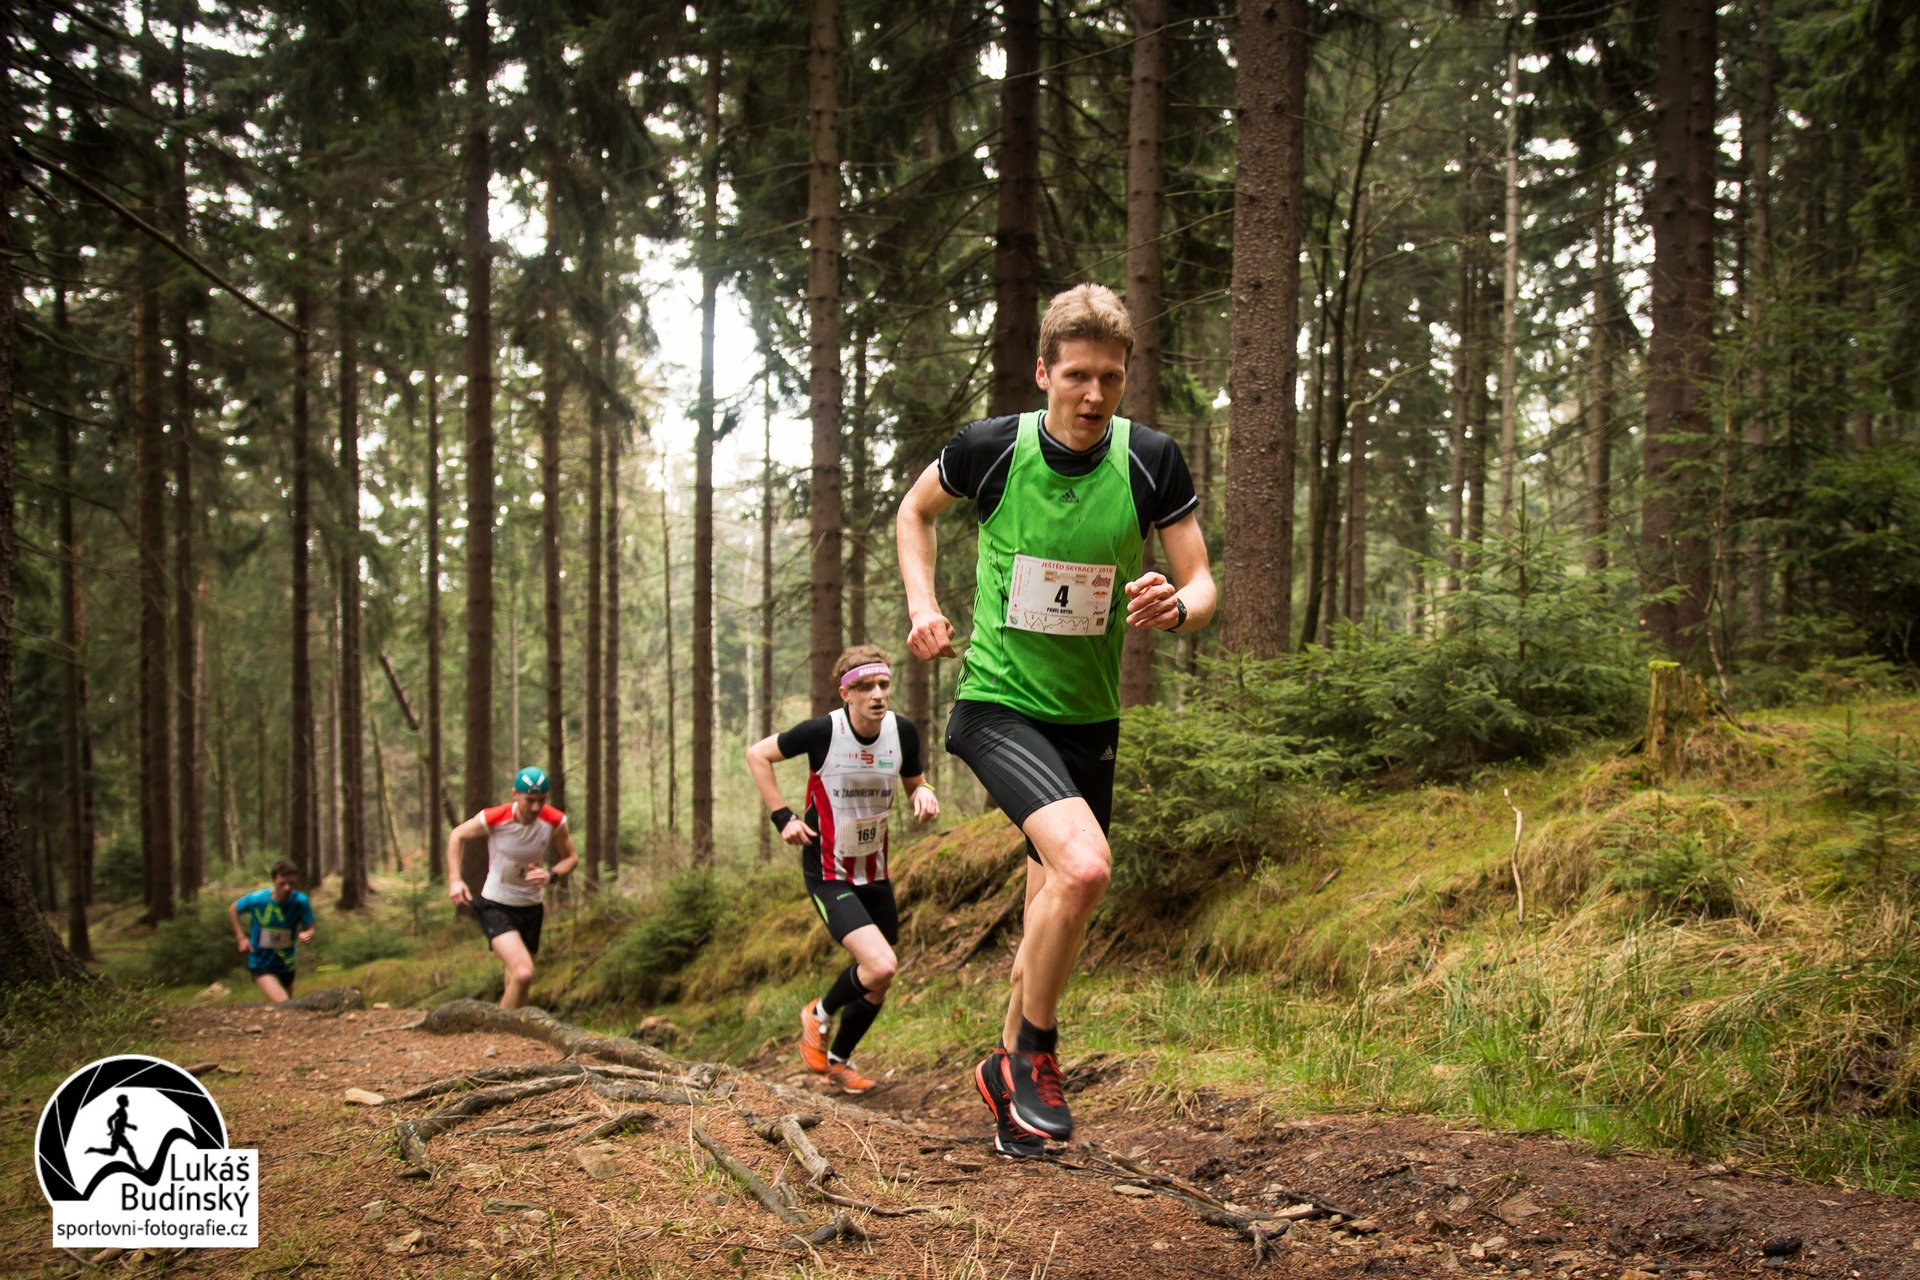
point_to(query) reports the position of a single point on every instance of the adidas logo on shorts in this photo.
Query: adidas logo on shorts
(1106, 754)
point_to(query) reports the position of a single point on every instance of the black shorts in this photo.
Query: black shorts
(497, 918)
(1026, 765)
(279, 970)
(846, 907)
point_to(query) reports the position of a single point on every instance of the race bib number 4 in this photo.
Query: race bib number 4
(276, 939)
(1059, 597)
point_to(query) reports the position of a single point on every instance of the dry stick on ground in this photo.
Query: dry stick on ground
(792, 1130)
(1519, 891)
(840, 1227)
(413, 1135)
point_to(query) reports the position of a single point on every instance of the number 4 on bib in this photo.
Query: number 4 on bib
(1059, 597)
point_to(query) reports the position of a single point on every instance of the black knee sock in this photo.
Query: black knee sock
(854, 1021)
(1036, 1039)
(845, 990)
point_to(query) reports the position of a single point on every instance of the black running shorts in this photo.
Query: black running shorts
(497, 918)
(1026, 765)
(846, 907)
(279, 970)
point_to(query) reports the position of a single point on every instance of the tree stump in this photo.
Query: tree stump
(1678, 702)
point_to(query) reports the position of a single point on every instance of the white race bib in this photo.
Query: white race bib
(276, 939)
(863, 836)
(512, 872)
(1059, 597)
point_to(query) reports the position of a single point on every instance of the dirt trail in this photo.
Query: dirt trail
(1435, 1201)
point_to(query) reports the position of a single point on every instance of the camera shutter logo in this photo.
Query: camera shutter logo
(132, 1153)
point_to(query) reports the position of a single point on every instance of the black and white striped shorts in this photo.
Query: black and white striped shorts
(1026, 765)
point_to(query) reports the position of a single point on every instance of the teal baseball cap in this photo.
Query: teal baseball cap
(530, 781)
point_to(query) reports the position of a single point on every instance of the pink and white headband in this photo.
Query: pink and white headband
(866, 671)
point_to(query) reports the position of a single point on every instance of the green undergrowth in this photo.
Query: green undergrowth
(1721, 964)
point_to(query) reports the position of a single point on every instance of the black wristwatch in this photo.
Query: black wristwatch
(1180, 606)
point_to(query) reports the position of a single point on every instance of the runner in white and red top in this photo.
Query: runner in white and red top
(520, 835)
(857, 757)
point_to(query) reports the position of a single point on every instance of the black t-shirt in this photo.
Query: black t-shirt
(974, 464)
(811, 738)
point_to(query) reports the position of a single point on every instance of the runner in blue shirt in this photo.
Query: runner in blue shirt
(277, 919)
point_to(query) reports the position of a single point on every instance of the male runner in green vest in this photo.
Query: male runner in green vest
(1064, 500)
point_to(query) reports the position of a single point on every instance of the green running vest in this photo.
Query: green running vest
(1056, 553)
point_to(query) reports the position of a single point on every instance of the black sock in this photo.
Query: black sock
(845, 990)
(854, 1021)
(1036, 1039)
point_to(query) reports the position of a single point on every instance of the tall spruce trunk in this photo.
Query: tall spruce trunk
(1757, 293)
(478, 164)
(552, 391)
(765, 727)
(859, 501)
(436, 750)
(353, 803)
(1461, 407)
(1509, 297)
(1681, 209)
(190, 775)
(1016, 233)
(823, 337)
(156, 749)
(1269, 191)
(73, 779)
(610, 675)
(1599, 407)
(1146, 203)
(704, 437)
(302, 834)
(666, 641)
(596, 548)
(29, 950)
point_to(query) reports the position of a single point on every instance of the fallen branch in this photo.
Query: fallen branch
(789, 1129)
(747, 1178)
(489, 1075)
(537, 1024)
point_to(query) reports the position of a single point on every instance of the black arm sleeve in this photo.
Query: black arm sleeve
(809, 738)
(978, 450)
(1170, 494)
(911, 765)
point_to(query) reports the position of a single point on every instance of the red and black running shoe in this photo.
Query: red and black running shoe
(1034, 1095)
(1009, 1139)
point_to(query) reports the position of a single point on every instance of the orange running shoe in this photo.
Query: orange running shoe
(813, 1037)
(843, 1076)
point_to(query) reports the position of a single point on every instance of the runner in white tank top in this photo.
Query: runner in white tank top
(519, 835)
(857, 757)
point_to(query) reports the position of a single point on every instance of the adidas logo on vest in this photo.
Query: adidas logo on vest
(1069, 496)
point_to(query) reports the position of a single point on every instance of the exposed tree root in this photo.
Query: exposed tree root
(791, 1129)
(639, 1118)
(559, 1124)
(413, 1135)
(636, 1091)
(489, 1075)
(538, 1024)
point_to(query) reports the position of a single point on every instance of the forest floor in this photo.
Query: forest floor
(1428, 1198)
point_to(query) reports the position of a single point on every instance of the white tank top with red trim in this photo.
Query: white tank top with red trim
(512, 847)
(850, 794)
